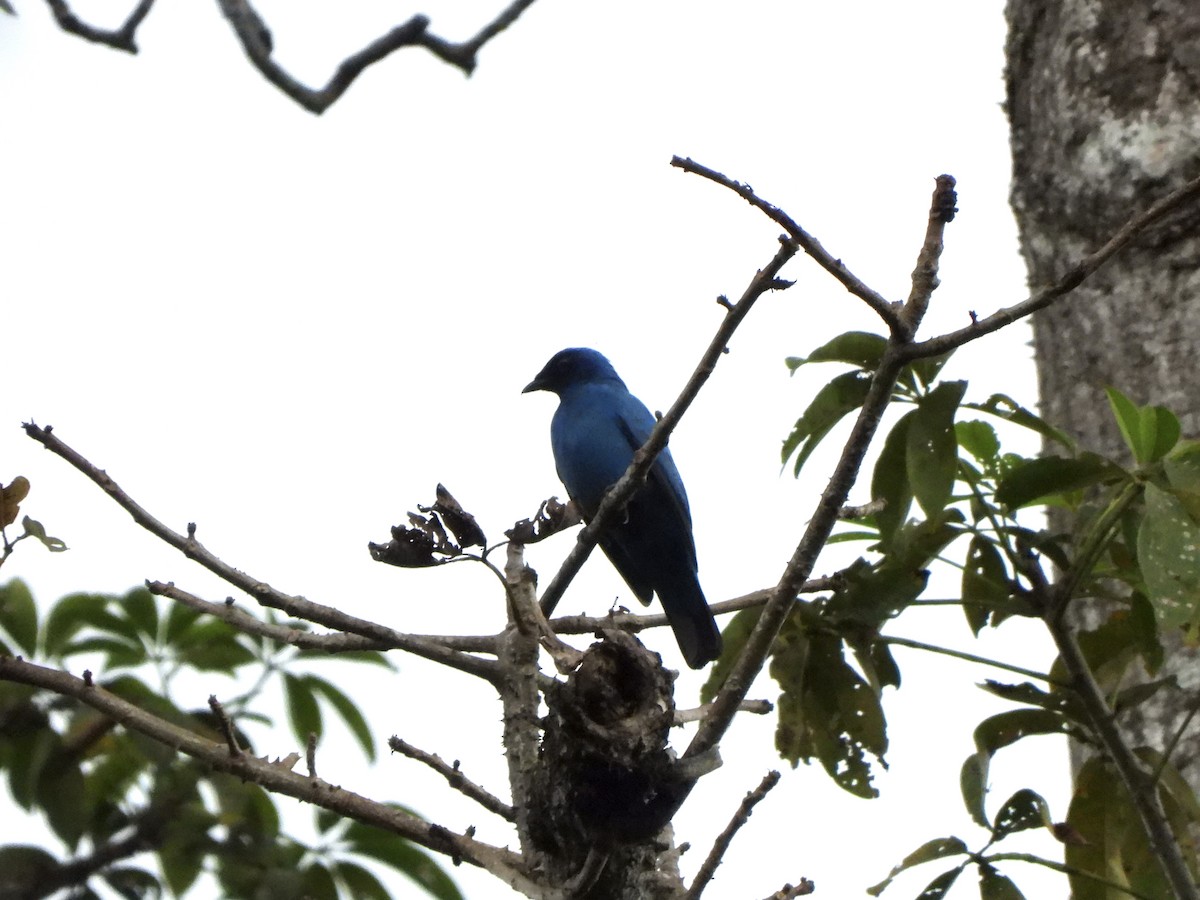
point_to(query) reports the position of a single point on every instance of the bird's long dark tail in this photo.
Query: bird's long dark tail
(695, 628)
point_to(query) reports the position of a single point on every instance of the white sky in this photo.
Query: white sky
(288, 329)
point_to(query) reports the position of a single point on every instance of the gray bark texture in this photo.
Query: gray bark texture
(1103, 97)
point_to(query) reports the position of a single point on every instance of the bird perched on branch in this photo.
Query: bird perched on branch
(597, 428)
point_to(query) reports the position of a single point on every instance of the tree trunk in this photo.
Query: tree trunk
(1104, 103)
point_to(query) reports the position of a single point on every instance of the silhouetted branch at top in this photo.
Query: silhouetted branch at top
(120, 39)
(256, 41)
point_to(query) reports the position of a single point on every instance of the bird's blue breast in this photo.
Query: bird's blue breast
(594, 434)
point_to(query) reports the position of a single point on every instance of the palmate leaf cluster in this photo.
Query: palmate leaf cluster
(102, 789)
(944, 489)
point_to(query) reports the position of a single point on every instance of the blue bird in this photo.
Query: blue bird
(597, 428)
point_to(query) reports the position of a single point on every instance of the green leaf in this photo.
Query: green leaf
(133, 884)
(840, 397)
(1149, 431)
(347, 710)
(179, 619)
(62, 795)
(120, 653)
(931, 453)
(889, 480)
(1113, 845)
(318, 883)
(361, 883)
(979, 439)
(985, 583)
(939, 848)
(404, 857)
(926, 369)
(18, 615)
(827, 709)
(733, 639)
(26, 866)
(1169, 557)
(142, 611)
(858, 348)
(973, 782)
(213, 645)
(940, 886)
(303, 712)
(1137, 694)
(1004, 407)
(1023, 810)
(75, 612)
(1049, 476)
(1030, 693)
(1006, 728)
(994, 886)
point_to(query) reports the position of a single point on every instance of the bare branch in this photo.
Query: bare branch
(262, 592)
(502, 863)
(886, 310)
(627, 621)
(757, 707)
(226, 726)
(925, 275)
(725, 838)
(791, 891)
(248, 624)
(618, 495)
(455, 778)
(463, 55)
(120, 39)
(256, 42)
(1071, 279)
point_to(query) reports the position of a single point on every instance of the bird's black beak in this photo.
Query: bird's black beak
(535, 385)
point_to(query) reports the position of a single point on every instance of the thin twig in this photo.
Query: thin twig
(970, 657)
(122, 38)
(262, 592)
(925, 274)
(620, 493)
(791, 891)
(454, 778)
(695, 714)
(1070, 280)
(886, 310)
(634, 622)
(226, 726)
(709, 867)
(255, 39)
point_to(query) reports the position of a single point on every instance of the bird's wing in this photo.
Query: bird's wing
(663, 482)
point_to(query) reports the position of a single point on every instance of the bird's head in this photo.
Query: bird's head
(575, 365)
